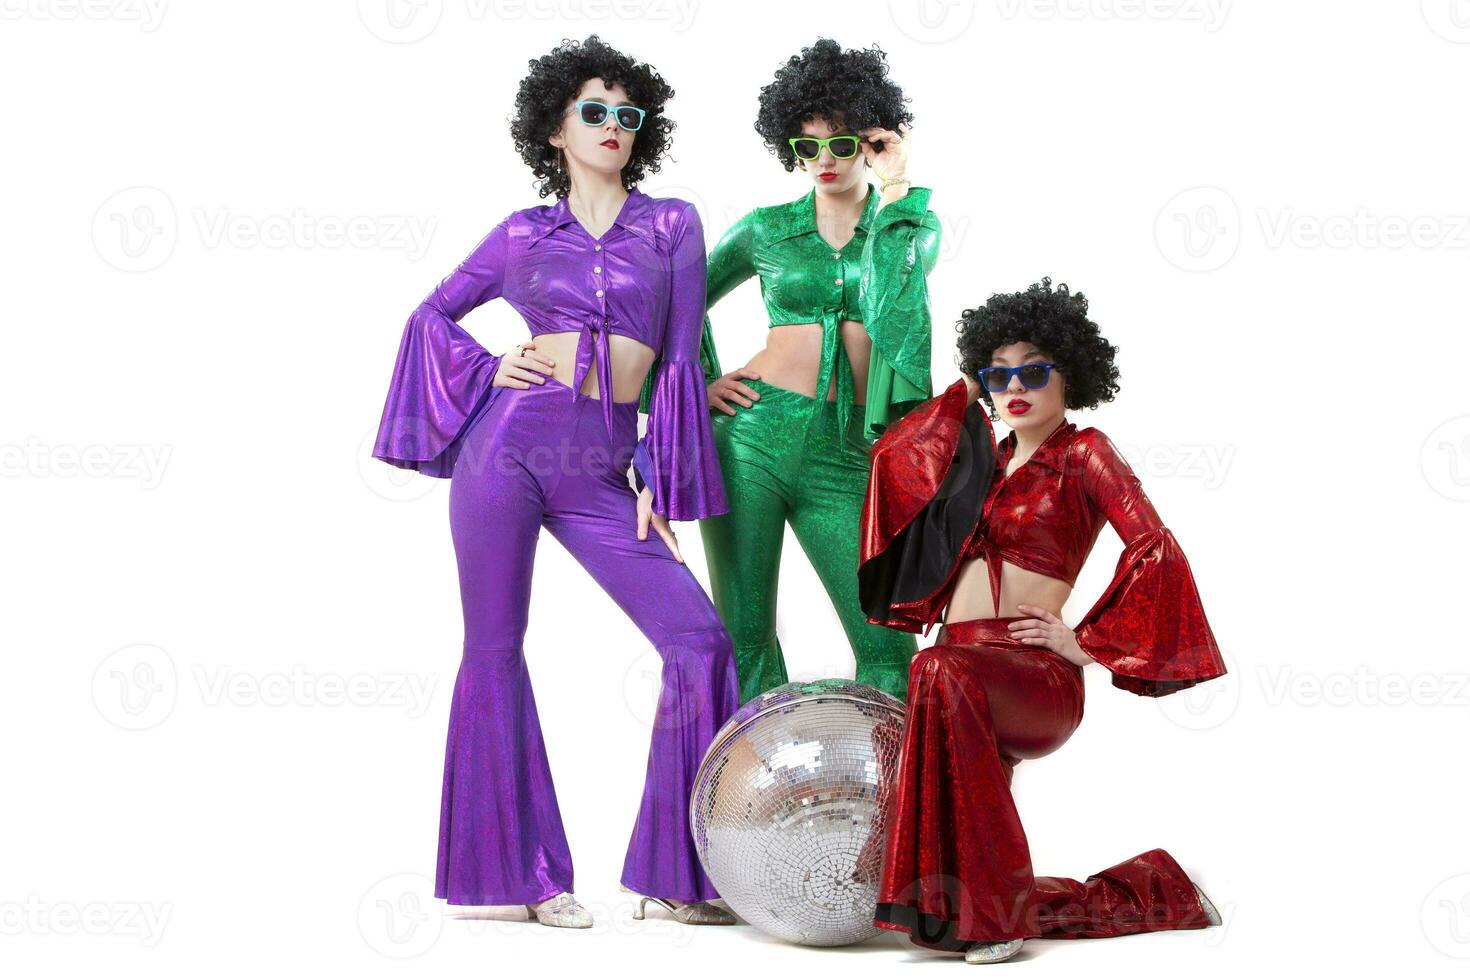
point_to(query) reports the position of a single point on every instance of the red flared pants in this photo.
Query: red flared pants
(956, 864)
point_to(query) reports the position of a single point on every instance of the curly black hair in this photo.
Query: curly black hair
(1056, 322)
(849, 88)
(557, 77)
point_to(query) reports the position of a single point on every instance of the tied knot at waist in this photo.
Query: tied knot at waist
(592, 336)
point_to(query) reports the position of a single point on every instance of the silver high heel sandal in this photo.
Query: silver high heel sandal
(692, 913)
(1211, 913)
(561, 910)
(992, 952)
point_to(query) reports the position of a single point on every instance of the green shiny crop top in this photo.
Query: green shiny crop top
(877, 278)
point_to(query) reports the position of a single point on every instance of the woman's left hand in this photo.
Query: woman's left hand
(894, 160)
(1048, 630)
(660, 524)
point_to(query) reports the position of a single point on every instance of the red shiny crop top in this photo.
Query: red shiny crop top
(1046, 516)
(938, 496)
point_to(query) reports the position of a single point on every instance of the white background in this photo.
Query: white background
(1264, 201)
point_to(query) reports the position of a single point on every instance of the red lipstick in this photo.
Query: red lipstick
(1018, 406)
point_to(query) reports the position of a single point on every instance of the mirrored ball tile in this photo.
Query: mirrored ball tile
(787, 810)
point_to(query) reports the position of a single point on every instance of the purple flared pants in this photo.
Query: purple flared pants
(541, 457)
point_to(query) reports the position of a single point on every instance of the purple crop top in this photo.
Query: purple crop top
(644, 278)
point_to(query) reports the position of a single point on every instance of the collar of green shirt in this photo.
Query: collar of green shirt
(799, 217)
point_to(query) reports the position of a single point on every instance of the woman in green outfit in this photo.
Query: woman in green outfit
(842, 276)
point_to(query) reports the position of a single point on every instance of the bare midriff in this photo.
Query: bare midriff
(1018, 586)
(793, 354)
(630, 359)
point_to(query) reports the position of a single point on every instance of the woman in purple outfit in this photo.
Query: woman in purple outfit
(540, 437)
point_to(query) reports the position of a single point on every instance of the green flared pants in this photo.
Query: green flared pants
(783, 460)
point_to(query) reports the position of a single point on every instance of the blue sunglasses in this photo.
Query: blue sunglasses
(997, 379)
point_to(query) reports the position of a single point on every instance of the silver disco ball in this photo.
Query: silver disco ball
(790, 804)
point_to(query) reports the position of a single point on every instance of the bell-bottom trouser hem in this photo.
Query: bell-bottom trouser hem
(956, 865)
(541, 458)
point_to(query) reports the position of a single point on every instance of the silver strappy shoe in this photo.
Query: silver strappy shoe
(692, 913)
(1211, 913)
(992, 952)
(561, 910)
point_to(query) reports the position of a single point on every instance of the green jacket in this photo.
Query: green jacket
(878, 278)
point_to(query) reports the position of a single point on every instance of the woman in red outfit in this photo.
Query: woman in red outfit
(998, 534)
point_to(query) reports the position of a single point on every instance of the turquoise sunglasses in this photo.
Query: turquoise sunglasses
(594, 113)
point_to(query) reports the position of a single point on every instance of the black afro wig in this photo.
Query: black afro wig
(848, 88)
(556, 77)
(1056, 322)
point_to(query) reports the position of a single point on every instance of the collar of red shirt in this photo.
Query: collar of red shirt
(1049, 454)
(632, 217)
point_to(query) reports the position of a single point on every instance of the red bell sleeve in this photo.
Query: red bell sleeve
(929, 476)
(1148, 627)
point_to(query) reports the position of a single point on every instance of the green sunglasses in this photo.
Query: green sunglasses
(810, 147)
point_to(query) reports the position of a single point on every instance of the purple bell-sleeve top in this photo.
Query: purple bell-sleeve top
(644, 278)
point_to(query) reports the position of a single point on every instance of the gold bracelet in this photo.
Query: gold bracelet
(891, 181)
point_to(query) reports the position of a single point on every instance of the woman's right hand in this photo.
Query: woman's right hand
(724, 390)
(972, 385)
(518, 369)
